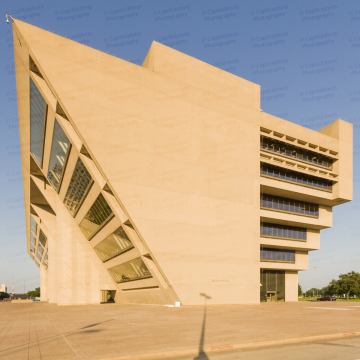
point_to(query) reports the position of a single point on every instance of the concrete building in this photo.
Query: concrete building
(3, 288)
(160, 183)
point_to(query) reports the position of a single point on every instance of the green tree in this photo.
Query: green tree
(34, 293)
(348, 284)
(4, 295)
(299, 290)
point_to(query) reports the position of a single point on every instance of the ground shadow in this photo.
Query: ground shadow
(202, 355)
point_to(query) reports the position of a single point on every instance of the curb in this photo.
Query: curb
(215, 349)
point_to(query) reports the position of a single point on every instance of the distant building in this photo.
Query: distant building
(3, 288)
(166, 182)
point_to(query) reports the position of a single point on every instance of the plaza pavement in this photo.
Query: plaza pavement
(110, 331)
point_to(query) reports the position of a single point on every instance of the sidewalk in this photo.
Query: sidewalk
(110, 331)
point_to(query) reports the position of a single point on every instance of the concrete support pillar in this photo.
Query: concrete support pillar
(43, 283)
(291, 286)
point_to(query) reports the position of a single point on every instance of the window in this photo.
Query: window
(289, 205)
(37, 122)
(272, 285)
(40, 249)
(293, 151)
(294, 176)
(277, 255)
(131, 270)
(113, 245)
(32, 256)
(96, 217)
(42, 238)
(32, 248)
(33, 225)
(38, 255)
(282, 231)
(32, 238)
(58, 155)
(80, 184)
(37, 263)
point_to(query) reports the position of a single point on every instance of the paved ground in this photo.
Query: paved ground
(45, 331)
(348, 349)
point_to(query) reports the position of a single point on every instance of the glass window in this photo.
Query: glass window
(59, 148)
(37, 120)
(32, 256)
(277, 255)
(113, 245)
(32, 238)
(282, 231)
(33, 225)
(131, 270)
(99, 212)
(40, 249)
(32, 247)
(304, 179)
(80, 183)
(38, 255)
(42, 238)
(37, 263)
(294, 151)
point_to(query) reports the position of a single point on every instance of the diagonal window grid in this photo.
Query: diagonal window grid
(59, 148)
(33, 225)
(37, 120)
(42, 238)
(113, 245)
(131, 270)
(79, 184)
(96, 217)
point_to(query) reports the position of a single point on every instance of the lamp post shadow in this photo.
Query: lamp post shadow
(202, 355)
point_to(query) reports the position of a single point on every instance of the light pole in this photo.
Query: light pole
(315, 282)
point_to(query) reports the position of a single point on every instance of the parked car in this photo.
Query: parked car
(327, 298)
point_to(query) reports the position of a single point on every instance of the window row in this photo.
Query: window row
(277, 255)
(295, 152)
(294, 176)
(131, 270)
(282, 231)
(284, 204)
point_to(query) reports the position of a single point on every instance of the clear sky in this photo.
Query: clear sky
(304, 54)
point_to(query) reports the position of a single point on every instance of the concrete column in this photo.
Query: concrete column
(291, 286)
(43, 283)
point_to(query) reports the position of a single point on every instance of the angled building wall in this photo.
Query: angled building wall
(146, 179)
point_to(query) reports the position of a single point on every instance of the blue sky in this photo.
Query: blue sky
(305, 56)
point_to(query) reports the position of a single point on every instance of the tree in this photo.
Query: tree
(4, 295)
(348, 284)
(34, 293)
(299, 290)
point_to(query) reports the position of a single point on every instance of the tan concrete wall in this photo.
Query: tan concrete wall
(43, 283)
(291, 286)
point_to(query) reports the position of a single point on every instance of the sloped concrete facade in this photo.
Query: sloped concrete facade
(172, 149)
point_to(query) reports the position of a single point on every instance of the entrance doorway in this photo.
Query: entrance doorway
(271, 296)
(107, 296)
(272, 285)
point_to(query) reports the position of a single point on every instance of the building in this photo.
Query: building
(3, 288)
(160, 183)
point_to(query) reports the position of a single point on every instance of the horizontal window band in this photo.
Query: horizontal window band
(139, 278)
(141, 288)
(288, 212)
(288, 157)
(84, 197)
(295, 183)
(281, 238)
(278, 261)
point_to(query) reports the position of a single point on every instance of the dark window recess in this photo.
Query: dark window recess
(113, 245)
(37, 122)
(96, 217)
(294, 176)
(295, 152)
(131, 270)
(282, 231)
(80, 184)
(289, 205)
(277, 255)
(42, 238)
(58, 156)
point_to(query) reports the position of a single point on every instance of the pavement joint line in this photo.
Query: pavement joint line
(218, 349)
(326, 308)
